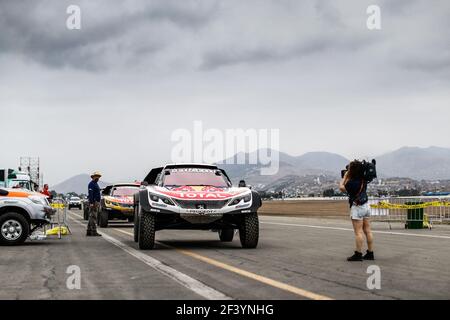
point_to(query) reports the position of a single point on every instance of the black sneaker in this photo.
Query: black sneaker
(356, 257)
(369, 255)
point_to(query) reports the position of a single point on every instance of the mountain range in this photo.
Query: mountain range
(432, 163)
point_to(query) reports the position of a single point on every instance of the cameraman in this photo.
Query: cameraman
(354, 184)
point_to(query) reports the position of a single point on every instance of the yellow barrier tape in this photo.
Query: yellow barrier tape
(387, 205)
(57, 205)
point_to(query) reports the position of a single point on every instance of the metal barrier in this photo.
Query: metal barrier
(430, 210)
(59, 219)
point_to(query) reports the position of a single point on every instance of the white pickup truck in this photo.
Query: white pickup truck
(21, 213)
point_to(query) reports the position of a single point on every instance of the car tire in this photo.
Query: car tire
(249, 231)
(17, 221)
(136, 222)
(226, 235)
(146, 238)
(103, 219)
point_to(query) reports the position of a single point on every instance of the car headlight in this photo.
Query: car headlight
(111, 203)
(157, 198)
(247, 198)
(38, 200)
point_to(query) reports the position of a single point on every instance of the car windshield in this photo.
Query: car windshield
(125, 191)
(75, 199)
(194, 177)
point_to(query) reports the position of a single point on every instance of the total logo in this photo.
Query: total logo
(193, 195)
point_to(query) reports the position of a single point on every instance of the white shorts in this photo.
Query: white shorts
(360, 212)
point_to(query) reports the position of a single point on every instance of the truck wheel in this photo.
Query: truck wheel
(14, 229)
(226, 235)
(146, 231)
(249, 231)
(103, 219)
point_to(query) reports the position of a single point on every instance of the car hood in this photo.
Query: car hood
(199, 192)
(126, 200)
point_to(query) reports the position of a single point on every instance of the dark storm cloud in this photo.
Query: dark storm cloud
(220, 33)
(45, 38)
(220, 58)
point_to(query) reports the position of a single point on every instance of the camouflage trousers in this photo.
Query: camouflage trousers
(93, 214)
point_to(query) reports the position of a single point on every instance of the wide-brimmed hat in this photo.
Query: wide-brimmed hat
(96, 174)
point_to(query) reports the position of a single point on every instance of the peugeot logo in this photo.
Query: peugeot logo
(200, 206)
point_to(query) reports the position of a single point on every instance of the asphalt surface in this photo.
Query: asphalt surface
(297, 258)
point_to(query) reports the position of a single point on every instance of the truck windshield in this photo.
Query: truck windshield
(20, 185)
(195, 177)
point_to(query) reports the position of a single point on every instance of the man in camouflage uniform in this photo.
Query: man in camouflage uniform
(94, 205)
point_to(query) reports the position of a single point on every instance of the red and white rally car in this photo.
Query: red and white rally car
(195, 196)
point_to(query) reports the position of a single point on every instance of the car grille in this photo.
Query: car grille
(195, 204)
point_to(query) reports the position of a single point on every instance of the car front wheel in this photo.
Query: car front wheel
(249, 231)
(136, 223)
(103, 219)
(146, 231)
(14, 229)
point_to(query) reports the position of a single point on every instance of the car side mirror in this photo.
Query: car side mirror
(144, 183)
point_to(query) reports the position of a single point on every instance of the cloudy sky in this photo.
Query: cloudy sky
(108, 97)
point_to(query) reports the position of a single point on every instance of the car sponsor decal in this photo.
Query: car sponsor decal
(201, 211)
(126, 200)
(197, 170)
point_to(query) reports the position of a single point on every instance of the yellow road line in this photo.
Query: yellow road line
(244, 273)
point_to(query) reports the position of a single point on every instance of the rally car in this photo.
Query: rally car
(117, 203)
(195, 196)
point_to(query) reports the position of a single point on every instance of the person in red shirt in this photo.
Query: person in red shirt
(45, 191)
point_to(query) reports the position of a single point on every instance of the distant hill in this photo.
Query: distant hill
(431, 163)
(312, 163)
(77, 184)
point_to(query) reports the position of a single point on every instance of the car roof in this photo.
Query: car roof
(108, 188)
(125, 185)
(190, 165)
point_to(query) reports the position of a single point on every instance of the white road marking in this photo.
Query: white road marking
(268, 281)
(348, 229)
(183, 279)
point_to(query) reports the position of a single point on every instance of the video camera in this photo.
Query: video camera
(369, 170)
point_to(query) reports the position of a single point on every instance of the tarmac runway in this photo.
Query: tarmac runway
(297, 258)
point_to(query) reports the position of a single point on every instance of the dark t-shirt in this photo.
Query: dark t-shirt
(353, 188)
(94, 192)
